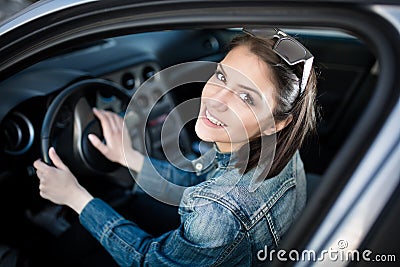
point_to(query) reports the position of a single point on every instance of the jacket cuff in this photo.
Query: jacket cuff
(97, 217)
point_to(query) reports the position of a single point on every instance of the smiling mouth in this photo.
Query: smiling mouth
(213, 120)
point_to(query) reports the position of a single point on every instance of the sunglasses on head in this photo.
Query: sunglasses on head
(287, 48)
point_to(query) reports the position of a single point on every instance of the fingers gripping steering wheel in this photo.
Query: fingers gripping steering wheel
(69, 119)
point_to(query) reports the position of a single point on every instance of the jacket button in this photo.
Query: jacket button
(199, 166)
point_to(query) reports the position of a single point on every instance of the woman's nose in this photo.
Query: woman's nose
(219, 99)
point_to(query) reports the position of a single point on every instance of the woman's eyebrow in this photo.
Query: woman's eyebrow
(251, 89)
(241, 85)
(222, 69)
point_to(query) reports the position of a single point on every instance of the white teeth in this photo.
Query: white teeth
(213, 120)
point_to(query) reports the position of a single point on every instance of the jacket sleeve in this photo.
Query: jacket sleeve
(201, 240)
(164, 181)
(154, 169)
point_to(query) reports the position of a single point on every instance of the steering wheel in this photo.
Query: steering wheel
(69, 119)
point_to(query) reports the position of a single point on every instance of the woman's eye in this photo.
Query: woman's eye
(246, 98)
(220, 76)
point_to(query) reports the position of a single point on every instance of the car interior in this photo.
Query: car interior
(44, 104)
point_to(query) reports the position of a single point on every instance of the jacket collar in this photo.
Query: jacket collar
(213, 157)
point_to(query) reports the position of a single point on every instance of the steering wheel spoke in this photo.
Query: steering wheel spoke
(83, 115)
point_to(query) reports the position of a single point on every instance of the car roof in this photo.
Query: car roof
(43, 8)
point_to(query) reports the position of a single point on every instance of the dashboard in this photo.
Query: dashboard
(128, 61)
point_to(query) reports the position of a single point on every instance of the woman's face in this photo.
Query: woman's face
(236, 102)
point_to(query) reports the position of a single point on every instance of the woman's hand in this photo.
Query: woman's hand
(59, 185)
(117, 140)
(113, 130)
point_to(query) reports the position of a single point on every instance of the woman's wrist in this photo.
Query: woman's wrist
(79, 199)
(133, 160)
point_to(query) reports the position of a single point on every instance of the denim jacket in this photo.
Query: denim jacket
(223, 221)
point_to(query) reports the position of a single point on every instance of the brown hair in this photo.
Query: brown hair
(289, 102)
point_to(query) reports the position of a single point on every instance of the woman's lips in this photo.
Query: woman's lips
(210, 118)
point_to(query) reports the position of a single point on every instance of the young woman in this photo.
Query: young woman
(257, 109)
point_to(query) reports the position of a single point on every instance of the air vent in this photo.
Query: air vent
(148, 72)
(128, 80)
(17, 134)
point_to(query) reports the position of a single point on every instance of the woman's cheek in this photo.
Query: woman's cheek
(247, 130)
